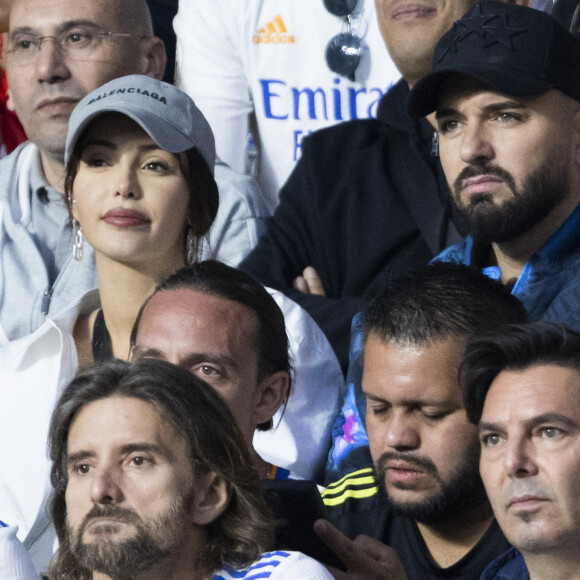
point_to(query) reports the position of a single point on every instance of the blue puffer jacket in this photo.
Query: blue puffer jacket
(549, 285)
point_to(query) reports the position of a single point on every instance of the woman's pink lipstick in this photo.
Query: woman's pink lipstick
(125, 218)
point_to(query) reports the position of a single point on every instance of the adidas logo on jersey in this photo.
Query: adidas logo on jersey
(273, 33)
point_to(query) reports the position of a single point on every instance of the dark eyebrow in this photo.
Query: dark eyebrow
(78, 455)
(374, 398)
(552, 418)
(22, 30)
(124, 449)
(533, 422)
(139, 351)
(488, 426)
(98, 143)
(492, 108)
(198, 357)
(189, 358)
(505, 104)
(110, 145)
(142, 446)
(411, 402)
(446, 112)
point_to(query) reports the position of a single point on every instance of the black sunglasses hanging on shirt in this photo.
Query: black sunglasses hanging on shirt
(343, 51)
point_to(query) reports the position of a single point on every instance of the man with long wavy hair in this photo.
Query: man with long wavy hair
(152, 479)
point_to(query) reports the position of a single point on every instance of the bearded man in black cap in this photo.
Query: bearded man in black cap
(365, 203)
(505, 87)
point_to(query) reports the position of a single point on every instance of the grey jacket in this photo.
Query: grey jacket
(27, 297)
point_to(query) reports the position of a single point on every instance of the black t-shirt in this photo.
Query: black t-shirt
(356, 505)
(403, 535)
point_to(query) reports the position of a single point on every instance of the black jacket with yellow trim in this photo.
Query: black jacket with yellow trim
(356, 504)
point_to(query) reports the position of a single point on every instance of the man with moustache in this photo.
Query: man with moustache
(365, 204)
(523, 392)
(152, 479)
(424, 497)
(506, 92)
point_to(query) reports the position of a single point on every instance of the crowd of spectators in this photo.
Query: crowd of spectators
(284, 286)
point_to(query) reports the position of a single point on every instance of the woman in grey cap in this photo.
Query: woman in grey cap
(140, 187)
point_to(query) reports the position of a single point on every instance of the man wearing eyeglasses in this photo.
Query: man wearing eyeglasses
(57, 51)
(364, 204)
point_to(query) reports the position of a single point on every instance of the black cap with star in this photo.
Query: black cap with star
(511, 49)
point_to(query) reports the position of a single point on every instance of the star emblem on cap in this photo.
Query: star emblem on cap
(491, 29)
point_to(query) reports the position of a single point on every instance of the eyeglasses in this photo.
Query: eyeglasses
(343, 51)
(78, 43)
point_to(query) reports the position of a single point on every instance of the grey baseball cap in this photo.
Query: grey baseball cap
(165, 113)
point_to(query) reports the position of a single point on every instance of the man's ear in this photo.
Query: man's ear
(272, 391)
(155, 59)
(210, 500)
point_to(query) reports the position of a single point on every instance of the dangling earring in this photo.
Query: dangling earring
(78, 244)
(189, 247)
